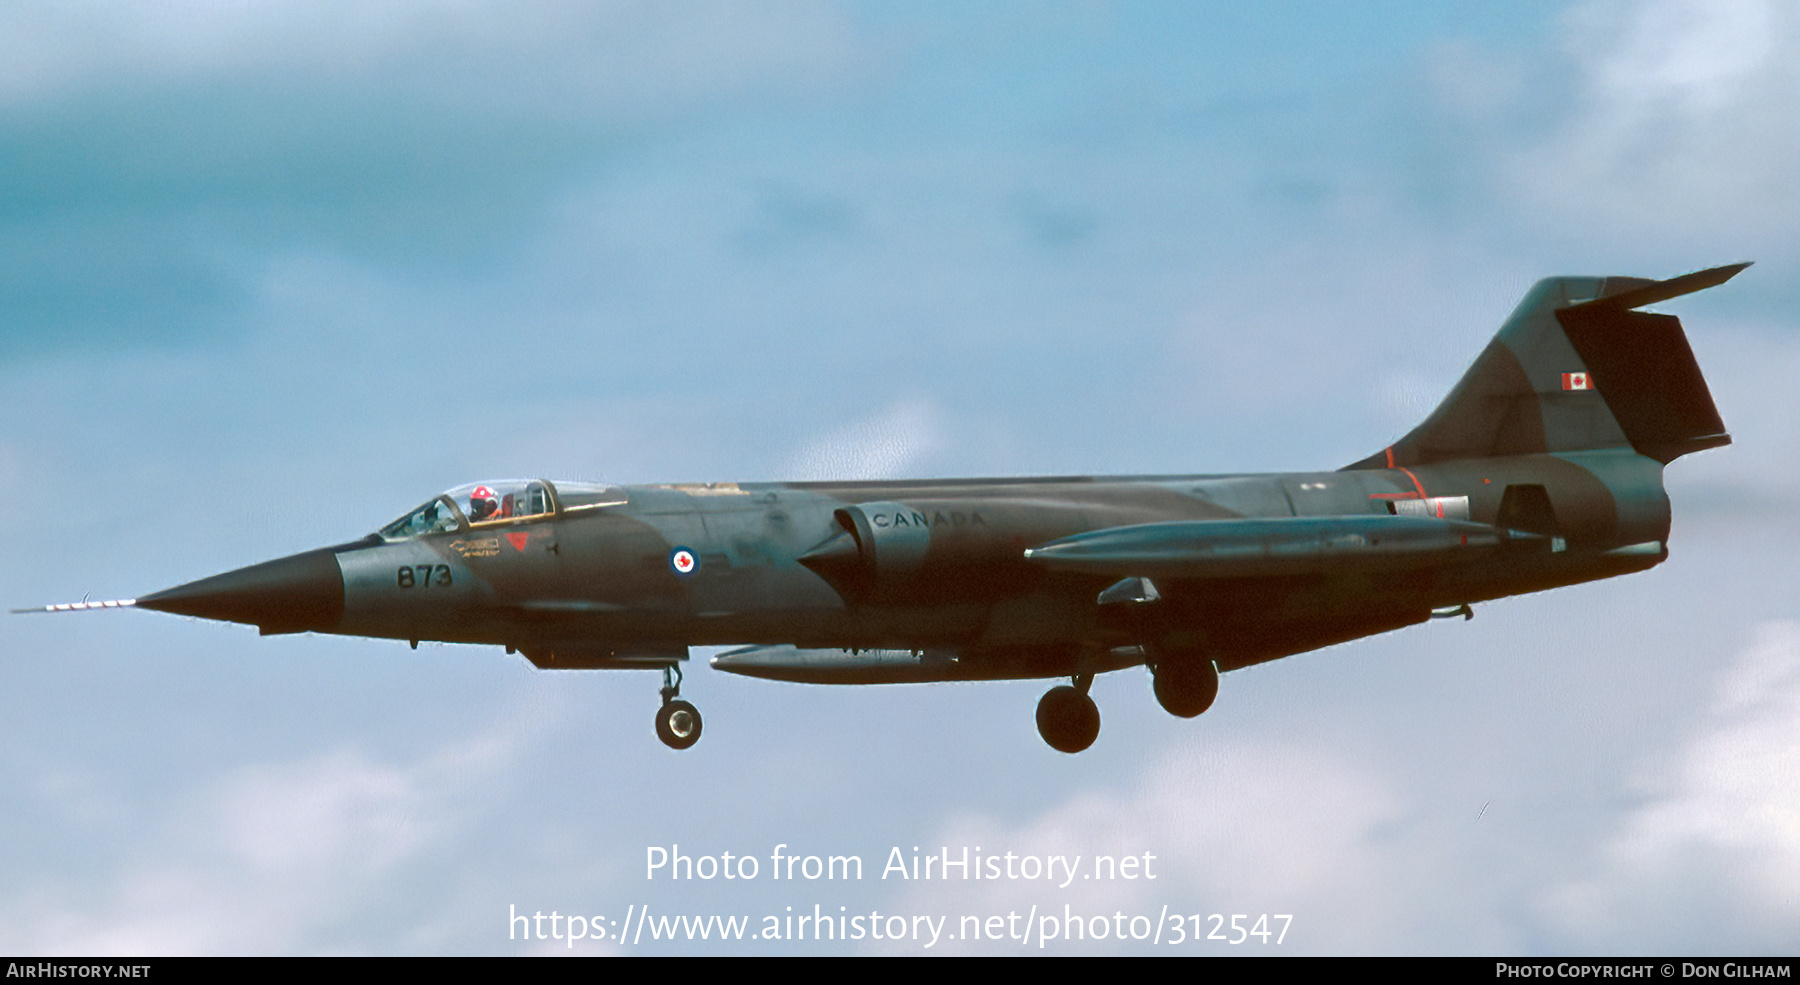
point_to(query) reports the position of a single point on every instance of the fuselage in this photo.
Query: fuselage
(941, 565)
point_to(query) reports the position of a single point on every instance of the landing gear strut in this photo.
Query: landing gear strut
(677, 722)
(1067, 718)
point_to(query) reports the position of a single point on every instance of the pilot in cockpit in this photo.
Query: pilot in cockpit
(483, 505)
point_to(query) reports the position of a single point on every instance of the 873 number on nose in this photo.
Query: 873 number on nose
(423, 575)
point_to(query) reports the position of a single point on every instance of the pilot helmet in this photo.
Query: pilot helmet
(483, 504)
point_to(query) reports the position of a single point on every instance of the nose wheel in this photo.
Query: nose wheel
(677, 722)
(1067, 718)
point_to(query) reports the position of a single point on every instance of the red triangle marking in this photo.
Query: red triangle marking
(518, 539)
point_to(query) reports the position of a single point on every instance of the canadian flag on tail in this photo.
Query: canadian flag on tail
(1577, 381)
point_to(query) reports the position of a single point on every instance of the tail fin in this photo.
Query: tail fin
(1576, 369)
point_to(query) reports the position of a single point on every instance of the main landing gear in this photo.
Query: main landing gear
(1186, 683)
(1067, 718)
(677, 722)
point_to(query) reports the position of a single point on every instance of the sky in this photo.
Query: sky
(272, 273)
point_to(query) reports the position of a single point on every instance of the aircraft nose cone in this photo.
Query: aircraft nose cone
(295, 594)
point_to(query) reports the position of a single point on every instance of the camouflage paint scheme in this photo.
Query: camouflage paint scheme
(1542, 468)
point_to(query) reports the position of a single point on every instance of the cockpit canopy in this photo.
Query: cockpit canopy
(501, 501)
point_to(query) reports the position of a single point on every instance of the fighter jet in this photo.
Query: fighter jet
(1543, 467)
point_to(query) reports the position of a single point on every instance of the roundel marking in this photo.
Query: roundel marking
(684, 561)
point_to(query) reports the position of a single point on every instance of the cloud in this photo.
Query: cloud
(613, 51)
(1678, 55)
(1709, 862)
(888, 445)
(1675, 125)
(157, 156)
(274, 857)
(1704, 857)
(1749, 368)
(1257, 828)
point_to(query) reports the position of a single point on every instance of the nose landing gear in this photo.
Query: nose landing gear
(677, 722)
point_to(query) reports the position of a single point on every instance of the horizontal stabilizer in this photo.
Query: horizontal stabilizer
(1269, 546)
(1662, 290)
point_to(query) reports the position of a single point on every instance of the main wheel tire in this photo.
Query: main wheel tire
(1067, 719)
(1185, 687)
(678, 724)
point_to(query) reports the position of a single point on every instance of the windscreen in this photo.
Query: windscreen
(434, 517)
